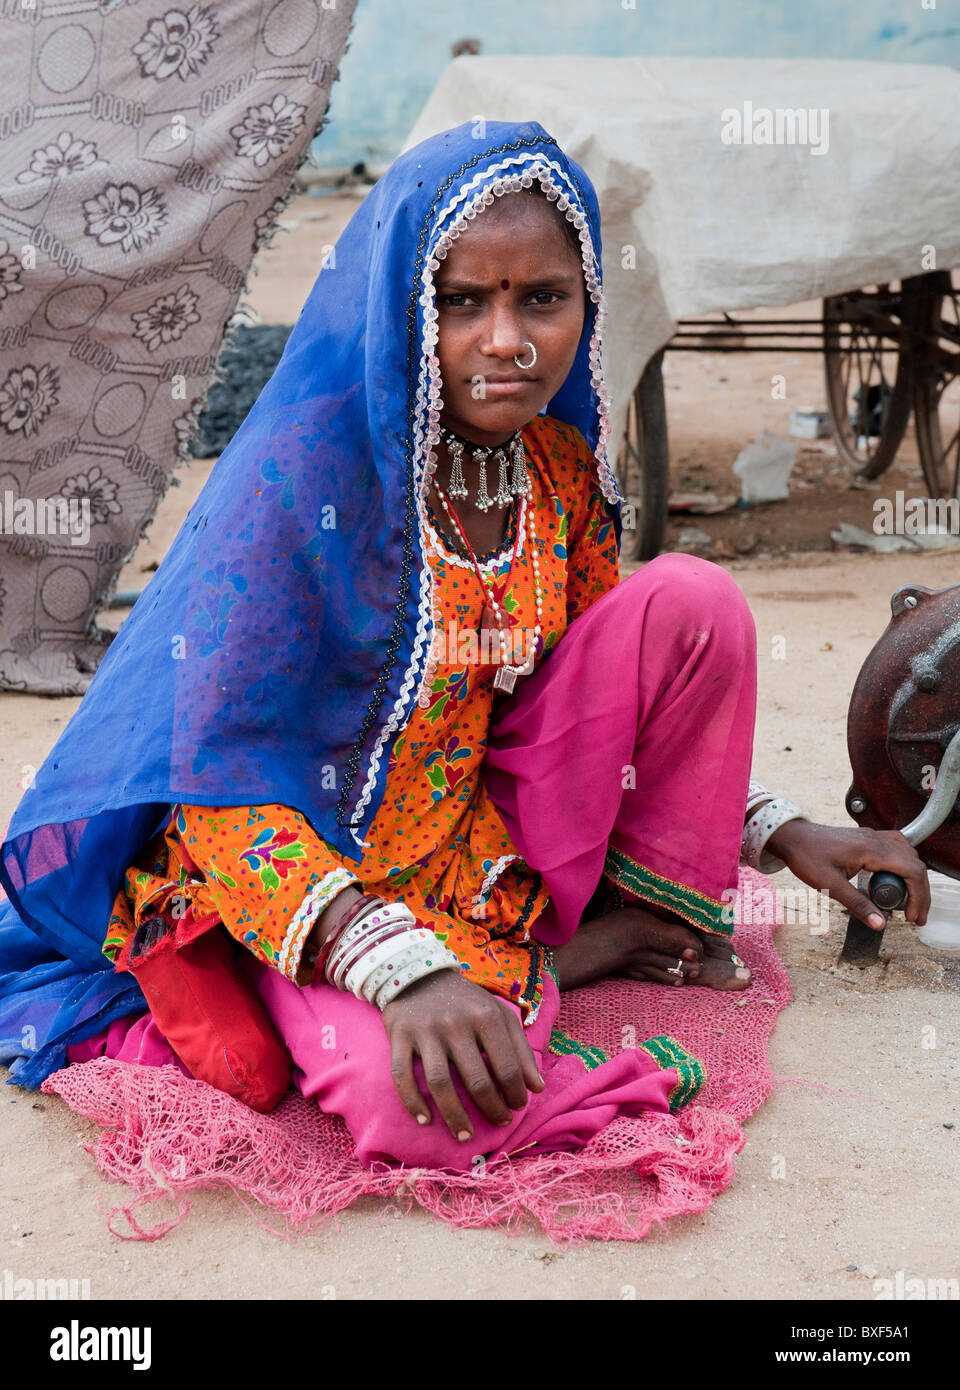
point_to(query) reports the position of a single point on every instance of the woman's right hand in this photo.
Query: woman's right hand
(446, 1018)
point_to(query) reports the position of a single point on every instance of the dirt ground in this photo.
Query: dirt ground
(849, 1171)
(733, 392)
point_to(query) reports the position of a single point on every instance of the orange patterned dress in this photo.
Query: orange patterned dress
(437, 842)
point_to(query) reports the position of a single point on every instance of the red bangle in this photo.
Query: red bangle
(339, 926)
(354, 908)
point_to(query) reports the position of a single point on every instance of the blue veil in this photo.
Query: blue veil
(278, 650)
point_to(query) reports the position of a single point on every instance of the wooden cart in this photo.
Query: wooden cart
(887, 350)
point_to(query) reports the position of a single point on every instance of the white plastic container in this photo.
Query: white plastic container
(941, 931)
(808, 423)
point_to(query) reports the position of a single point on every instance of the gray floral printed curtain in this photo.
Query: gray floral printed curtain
(145, 153)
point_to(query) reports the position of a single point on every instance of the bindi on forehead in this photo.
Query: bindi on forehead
(504, 284)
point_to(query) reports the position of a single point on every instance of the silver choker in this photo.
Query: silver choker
(519, 480)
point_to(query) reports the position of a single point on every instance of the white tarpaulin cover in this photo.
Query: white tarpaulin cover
(684, 159)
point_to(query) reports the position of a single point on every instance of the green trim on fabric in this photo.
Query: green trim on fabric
(562, 1045)
(698, 909)
(691, 1072)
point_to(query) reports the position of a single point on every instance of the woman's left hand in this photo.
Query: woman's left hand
(829, 856)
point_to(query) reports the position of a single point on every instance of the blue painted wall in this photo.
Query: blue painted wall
(398, 48)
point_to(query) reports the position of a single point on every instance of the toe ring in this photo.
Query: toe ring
(676, 969)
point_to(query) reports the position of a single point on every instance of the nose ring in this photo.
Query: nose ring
(524, 365)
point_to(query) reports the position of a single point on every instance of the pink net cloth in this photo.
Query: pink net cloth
(166, 1135)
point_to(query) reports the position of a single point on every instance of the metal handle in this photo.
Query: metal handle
(942, 799)
(888, 891)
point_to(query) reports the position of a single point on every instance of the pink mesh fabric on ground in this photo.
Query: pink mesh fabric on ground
(166, 1135)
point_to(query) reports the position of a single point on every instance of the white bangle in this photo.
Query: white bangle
(756, 793)
(394, 957)
(759, 828)
(381, 936)
(374, 924)
(383, 951)
(381, 954)
(439, 958)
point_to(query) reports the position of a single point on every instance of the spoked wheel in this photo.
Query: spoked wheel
(936, 396)
(868, 376)
(643, 463)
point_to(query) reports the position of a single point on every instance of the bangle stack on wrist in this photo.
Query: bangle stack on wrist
(757, 792)
(378, 950)
(322, 954)
(763, 823)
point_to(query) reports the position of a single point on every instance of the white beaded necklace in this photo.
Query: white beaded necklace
(506, 677)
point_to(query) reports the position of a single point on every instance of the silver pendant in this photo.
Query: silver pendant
(520, 480)
(503, 488)
(513, 479)
(457, 486)
(505, 679)
(484, 500)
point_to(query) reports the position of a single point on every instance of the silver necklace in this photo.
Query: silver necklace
(480, 453)
(508, 673)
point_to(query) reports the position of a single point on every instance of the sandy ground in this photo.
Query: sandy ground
(845, 1177)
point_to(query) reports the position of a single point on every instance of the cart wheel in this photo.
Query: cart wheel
(643, 463)
(936, 394)
(868, 378)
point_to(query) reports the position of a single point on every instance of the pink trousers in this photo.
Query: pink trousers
(623, 759)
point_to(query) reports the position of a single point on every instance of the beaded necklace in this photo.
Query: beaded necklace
(506, 676)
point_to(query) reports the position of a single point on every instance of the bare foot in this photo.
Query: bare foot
(720, 966)
(639, 944)
(715, 965)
